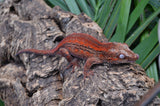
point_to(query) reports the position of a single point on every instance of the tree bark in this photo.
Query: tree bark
(35, 80)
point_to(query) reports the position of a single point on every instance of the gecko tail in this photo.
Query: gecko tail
(35, 51)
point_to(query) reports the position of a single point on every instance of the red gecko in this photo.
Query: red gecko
(85, 47)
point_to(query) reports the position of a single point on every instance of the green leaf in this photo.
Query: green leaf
(73, 7)
(144, 48)
(136, 13)
(122, 22)
(140, 29)
(92, 3)
(1, 103)
(105, 13)
(152, 71)
(155, 4)
(98, 10)
(146, 62)
(85, 8)
(112, 23)
(59, 3)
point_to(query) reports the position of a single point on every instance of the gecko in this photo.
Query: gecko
(81, 46)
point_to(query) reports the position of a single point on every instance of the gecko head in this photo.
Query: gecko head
(120, 53)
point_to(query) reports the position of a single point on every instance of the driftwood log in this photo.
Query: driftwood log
(35, 80)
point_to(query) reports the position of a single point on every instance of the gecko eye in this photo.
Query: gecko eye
(121, 56)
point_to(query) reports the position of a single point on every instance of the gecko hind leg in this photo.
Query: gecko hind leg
(65, 53)
(72, 61)
(73, 64)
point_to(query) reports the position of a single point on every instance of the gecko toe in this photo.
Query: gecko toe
(88, 73)
(73, 64)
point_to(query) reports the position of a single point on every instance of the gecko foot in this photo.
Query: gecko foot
(73, 64)
(88, 73)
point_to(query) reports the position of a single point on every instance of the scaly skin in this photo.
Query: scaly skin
(86, 47)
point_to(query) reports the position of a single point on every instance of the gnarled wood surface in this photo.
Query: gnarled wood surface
(35, 80)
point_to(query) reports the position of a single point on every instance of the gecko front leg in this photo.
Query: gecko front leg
(90, 61)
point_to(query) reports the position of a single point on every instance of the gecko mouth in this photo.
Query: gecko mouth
(122, 62)
(131, 60)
